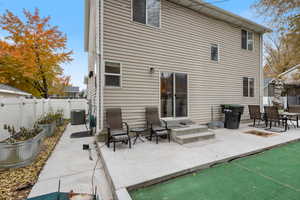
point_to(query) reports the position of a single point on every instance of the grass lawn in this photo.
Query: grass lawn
(273, 174)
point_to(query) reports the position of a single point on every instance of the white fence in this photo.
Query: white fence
(268, 101)
(21, 112)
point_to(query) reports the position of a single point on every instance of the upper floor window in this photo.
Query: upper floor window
(112, 74)
(214, 52)
(248, 87)
(247, 40)
(146, 12)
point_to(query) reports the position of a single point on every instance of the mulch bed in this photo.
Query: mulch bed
(16, 184)
(260, 133)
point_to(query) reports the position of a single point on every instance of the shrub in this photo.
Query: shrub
(22, 135)
(47, 119)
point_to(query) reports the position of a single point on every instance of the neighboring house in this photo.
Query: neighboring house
(291, 80)
(182, 56)
(7, 91)
(268, 88)
(71, 92)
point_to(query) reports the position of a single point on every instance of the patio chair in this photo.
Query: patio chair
(273, 115)
(294, 109)
(158, 128)
(115, 130)
(255, 114)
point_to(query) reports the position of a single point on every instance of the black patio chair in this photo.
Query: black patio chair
(158, 128)
(255, 114)
(273, 116)
(115, 130)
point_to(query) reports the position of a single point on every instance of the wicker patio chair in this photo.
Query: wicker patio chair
(272, 115)
(158, 128)
(255, 114)
(115, 130)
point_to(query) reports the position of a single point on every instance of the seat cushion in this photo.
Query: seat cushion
(120, 137)
(118, 132)
(158, 128)
(159, 133)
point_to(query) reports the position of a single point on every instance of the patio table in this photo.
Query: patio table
(288, 114)
(138, 132)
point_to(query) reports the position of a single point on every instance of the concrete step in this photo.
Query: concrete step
(193, 137)
(189, 130)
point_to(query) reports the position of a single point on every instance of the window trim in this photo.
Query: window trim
(218, 57)
(188, 95)
(113, 74)
(249, 81)
(146, 24)
(249, 87)
(247, 40)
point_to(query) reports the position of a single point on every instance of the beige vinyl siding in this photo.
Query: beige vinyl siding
(181, 44)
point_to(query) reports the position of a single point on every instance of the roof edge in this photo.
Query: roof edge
(219, 13)
(289, 70)
(15, 92)
(86, 24)
(237, 16)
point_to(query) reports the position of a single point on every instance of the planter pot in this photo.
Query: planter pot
(60, 122)
(49, 128)
(20, 154)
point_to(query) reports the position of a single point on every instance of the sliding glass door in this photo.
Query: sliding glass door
(173, 95)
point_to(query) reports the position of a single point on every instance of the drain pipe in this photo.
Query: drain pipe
(100, 70)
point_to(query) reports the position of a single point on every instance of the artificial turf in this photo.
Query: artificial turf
(272, 174)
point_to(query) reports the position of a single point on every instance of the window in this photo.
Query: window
(112, 74)
(247, 40)
(214, 52)
(248, 87)
(245, 87)
(146, 12)
(251, 87)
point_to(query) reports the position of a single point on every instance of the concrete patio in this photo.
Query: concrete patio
(70, 164)
(148, 163)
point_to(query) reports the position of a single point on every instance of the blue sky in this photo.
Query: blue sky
(69, 16)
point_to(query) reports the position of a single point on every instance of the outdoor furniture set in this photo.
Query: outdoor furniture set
(118, 130)
(272, 116)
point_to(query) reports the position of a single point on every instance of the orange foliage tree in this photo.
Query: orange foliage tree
(32, 53)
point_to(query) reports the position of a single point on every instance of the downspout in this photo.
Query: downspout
(261, 87)
(100, 69)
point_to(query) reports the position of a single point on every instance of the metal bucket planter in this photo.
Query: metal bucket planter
(49, 128)
(22, 153)
(60, 121)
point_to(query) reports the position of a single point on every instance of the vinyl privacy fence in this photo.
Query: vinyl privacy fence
(21, 112)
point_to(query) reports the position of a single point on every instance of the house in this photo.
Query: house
(7, 91)
(71, 92)
(185, 57)
(268, 89)
(291, 80)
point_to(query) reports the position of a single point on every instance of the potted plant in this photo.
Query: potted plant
(21, 147)
(59, 117)
(48, 122)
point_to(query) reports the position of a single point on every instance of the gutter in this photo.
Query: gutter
(14, 92)
(289, 70)
(230, 14)
(215, 12)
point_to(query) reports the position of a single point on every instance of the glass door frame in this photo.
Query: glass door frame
(174, 95)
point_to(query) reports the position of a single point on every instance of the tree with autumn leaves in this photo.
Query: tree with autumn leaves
(282, 47)
(32, 53)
